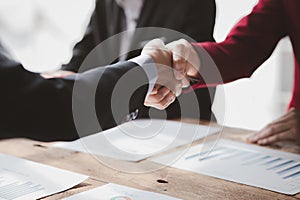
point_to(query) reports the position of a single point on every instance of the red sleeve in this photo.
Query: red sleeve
(247, 46)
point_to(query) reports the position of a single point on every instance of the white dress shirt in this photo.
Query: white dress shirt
(132, 10)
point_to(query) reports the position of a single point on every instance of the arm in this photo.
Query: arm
(246, 47)
(47, 110)
(41, 109)
(104, 96)
(33, 107)
(248, 44)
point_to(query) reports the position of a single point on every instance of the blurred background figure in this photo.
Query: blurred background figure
(42, 33)
(112, 17)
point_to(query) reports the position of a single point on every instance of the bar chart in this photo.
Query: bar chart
(22, 179)
(243, 163)
(11, 189)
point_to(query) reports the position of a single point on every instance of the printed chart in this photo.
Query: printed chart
(22, 179)
(12, 188)
(243, 163)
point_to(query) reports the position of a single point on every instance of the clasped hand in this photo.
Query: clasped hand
(176, 62)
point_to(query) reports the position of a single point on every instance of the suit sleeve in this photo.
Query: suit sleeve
(41, 109)
(33, 107)
(246, 47)
(104, 96)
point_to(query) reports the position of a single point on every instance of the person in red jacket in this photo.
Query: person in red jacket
(248, 45)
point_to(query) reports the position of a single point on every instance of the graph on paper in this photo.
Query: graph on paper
(22, 179)
(243, 163)
(12, 189)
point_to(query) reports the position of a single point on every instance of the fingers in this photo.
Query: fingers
(179, 62)
(186, 61)
(161, 100)
(155, 90)
(268, 131)
(178, 89)
(166, 79)
(174, 85)
(275, 138)
(163, 95)
(285, 128)
(185, 82)
(179, 57)
(176, 55)
(57, 74)
(158, 96)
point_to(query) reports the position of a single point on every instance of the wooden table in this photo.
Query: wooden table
(170, 181)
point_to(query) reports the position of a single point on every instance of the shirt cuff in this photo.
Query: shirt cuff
(147, 63)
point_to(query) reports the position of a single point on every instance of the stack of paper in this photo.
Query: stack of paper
(22, 179)
(139, 139)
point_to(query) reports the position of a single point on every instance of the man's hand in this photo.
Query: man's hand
(167, 87)
(185, 61)
(57, 74)
(286, 128)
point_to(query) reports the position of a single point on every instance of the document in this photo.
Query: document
(118, 192)
(139, 139)
(22, 179)
(242, 163)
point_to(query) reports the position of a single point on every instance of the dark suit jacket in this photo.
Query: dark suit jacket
(195, 18)
(41, 109)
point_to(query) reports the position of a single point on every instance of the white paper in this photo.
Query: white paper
(118, 192)
(242, 163)
(22, 179)
(139, 139)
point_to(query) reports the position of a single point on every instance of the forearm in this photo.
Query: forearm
(247, 46)
(104, 96)
(36, 108)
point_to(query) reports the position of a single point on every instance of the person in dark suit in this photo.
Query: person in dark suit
(111, 17)
(42, 109)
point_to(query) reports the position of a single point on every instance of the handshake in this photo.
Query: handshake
(176, 63)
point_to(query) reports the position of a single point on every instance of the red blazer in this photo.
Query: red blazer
(253, 40)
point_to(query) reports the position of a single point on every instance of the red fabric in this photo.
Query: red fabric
(253, 40)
